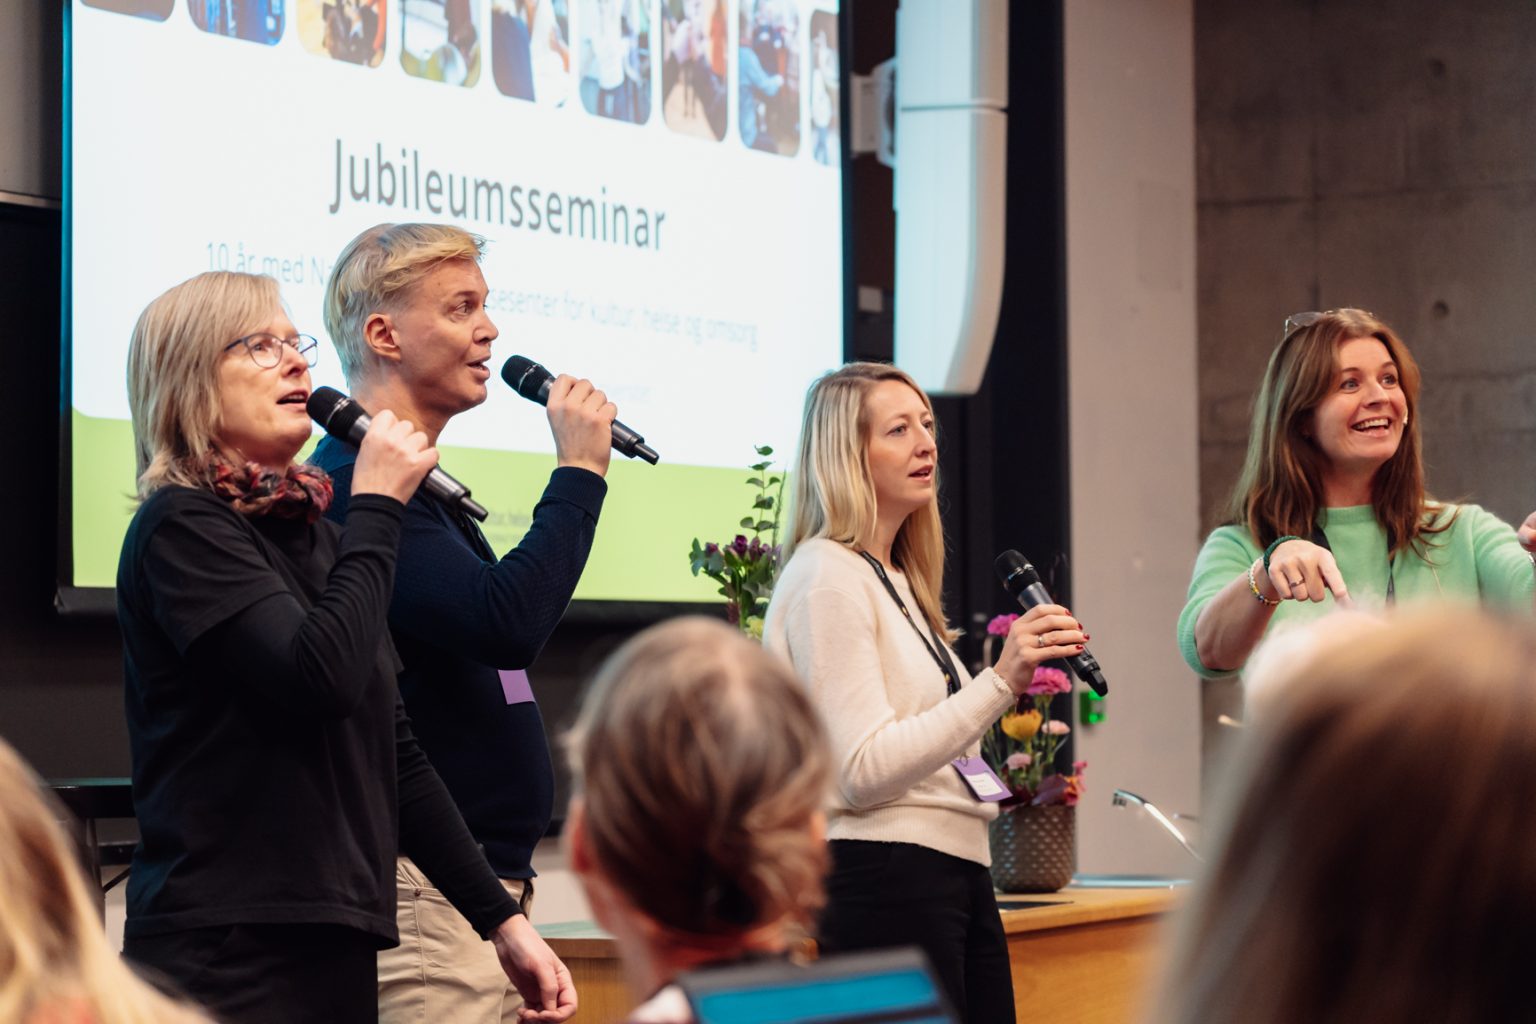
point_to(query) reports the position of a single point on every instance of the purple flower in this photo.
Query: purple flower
(1048, 681)
(999, 626)
(740, 544)
(711, 548)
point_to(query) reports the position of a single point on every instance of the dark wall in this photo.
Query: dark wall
(60, 678)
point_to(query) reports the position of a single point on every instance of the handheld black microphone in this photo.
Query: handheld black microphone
(532, 381)
(347, 421)
(1022, 581)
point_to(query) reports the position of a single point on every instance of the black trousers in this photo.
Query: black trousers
(898, 894)
(267, 973)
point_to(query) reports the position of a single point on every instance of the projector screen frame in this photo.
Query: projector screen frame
(71, 600)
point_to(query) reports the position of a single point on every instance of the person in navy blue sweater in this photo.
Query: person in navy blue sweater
(405, 306)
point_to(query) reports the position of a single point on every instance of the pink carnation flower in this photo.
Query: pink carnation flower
(999, 626)
(1018, 762)
(1048, 681)
(1057, 728)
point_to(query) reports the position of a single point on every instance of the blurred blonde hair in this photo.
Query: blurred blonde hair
(703, 769)
(374, 272)
(54, 957)
(173, 364)
(1373, 858)
(832, 493)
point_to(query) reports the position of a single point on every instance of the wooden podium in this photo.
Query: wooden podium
(1086, 953)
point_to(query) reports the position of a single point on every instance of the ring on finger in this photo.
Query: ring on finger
(1039, 639)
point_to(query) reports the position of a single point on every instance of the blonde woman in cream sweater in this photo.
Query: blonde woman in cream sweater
(857, 611)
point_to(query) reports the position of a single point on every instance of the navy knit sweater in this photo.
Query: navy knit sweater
(458, 615)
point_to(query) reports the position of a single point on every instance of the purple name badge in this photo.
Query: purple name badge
(514, 686)
(980, 777)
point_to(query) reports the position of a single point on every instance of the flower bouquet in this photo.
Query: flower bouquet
(1034, 840)
(1023, 745)
(747, 566)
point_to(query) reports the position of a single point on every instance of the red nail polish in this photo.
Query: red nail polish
(1079, 646)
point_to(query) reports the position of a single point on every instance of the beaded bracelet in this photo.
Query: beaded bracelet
(1277, 542)
(1253, 585)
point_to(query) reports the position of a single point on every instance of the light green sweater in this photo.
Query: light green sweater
(1479, 558)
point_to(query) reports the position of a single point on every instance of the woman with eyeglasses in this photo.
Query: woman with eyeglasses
(274, 773)
(1330, 506)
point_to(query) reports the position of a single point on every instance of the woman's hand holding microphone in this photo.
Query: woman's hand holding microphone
(393, 459)
(1044, 633)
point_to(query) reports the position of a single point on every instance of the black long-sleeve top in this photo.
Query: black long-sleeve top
(275, 774)
(459, 616)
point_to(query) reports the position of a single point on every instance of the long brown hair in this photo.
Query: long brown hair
(1280, 490)
(832, 493)
(1373, 856)
(703, 768)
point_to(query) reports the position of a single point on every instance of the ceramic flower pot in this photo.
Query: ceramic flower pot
(1034, 849)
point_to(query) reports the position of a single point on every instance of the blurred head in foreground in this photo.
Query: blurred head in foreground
(701, 772)
(55, 964)
(1375, 853)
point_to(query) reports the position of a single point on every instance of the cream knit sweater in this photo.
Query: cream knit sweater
(894, 732)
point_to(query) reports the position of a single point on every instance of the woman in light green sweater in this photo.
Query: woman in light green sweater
(1331, 508)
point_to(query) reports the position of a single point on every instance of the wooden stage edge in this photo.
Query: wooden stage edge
(1087, 954)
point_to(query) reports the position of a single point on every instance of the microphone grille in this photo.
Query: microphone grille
(1015, 571)
(525, 376)
(322, 404)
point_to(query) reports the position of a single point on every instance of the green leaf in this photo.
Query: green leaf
(763, 524)
(763, 449)
(756, 481)
(761, 467)
(763, 501)
(746, 522)
(773, 480)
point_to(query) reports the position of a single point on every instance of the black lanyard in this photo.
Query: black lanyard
(1321, 540)
(936, 650)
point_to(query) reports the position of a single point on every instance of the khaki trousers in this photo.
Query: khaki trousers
(443, 971)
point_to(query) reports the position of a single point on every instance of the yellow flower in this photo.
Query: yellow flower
(1022, 726)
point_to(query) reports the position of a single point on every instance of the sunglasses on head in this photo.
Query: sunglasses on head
(1299, 321)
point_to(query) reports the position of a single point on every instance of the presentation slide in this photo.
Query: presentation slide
(658, 183)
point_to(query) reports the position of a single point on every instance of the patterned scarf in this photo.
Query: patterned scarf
(302, 492)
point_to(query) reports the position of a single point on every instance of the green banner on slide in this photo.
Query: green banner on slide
(650, 517)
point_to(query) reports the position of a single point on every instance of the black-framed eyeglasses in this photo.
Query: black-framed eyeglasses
(266, 350)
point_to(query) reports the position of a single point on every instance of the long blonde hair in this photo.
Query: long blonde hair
(703, 768)
(1280, 490)
(53, 953)
(1373, 856)
(173, 368)
(832, 493)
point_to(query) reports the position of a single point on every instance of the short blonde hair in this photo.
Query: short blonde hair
(1373, 855)
(832, 493)
(374, 270)
(173, 370)
(53, 953)
(703, 767)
